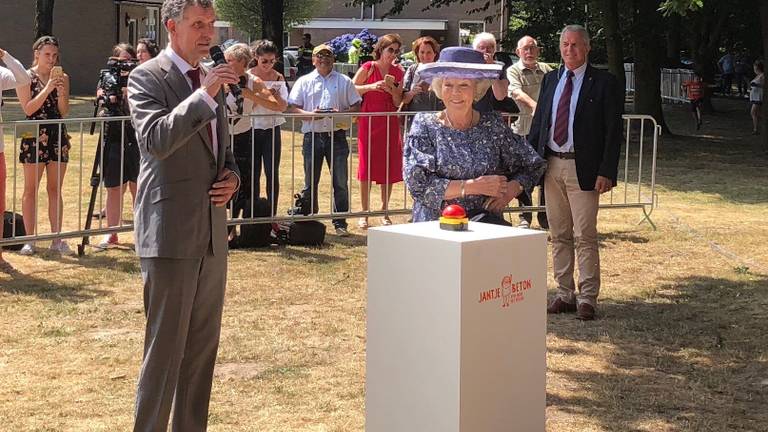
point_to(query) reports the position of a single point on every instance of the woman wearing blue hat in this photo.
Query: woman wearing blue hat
(460, 156)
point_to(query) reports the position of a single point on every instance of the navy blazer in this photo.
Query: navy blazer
(597, 124)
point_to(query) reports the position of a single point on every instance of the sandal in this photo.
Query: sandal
(362, 223)
(386, 221)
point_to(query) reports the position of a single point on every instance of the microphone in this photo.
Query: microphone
(218, 58)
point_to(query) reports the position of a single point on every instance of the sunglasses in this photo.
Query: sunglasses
(393, 50)
(324, 55)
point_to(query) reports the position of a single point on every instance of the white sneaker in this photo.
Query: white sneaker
(61, 247)
(342, 232)
(108, 240)
(523, 224)
(27, 249)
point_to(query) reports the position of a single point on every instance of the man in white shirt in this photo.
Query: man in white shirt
(325, 138)
(12, 77)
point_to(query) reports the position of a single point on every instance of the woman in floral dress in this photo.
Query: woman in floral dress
(46, 151)
(460, 156)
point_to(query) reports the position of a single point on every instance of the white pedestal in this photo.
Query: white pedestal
(456, 329)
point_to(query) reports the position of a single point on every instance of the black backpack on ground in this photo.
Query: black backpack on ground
(304, 233)
(8, 221)
(254, 235)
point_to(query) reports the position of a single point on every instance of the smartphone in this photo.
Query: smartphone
(389, 79)
(57, 72)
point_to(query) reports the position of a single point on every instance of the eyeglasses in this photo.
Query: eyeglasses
(393, 50)
(324, 55)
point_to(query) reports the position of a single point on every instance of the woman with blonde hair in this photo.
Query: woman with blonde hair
(47, 98)
(379, 144)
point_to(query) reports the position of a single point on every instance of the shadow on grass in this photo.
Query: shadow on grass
(621, 236)
(693, 357)
(128, 262)
(22, 284)
(719, 159)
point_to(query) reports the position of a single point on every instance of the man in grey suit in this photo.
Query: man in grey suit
(187, 176)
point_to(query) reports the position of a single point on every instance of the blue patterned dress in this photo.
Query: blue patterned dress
(436, 154)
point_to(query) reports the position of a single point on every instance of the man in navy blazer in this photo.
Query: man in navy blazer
(577, 126)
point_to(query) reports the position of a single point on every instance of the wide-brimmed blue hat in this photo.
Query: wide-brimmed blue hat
(459, 62)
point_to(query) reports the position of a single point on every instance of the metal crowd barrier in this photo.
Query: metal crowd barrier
(671, 81)
(83, 190)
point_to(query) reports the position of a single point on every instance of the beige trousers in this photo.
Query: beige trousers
(572, 215)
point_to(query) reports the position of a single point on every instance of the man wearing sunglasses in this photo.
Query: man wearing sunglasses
(320, 92)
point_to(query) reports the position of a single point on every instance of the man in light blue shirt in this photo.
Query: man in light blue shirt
(325, 138)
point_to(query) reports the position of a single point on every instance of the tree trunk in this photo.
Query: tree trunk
(272, 12)
(709, 23)
(44, 18)
(762, 142)
(648, 52)
(673, 40)
(613, 42)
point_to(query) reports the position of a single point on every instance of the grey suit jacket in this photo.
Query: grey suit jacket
(174, 217)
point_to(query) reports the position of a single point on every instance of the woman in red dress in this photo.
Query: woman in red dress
(379, 144)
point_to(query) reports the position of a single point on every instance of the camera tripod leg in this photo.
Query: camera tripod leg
(95, 181)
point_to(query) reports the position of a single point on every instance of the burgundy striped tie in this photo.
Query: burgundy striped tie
(194, 76)
(563, 111)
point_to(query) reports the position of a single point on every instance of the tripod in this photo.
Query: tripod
(95, 180)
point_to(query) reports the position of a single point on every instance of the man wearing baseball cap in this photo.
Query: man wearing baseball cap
(316, 95)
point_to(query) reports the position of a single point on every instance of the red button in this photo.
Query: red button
(454, 211)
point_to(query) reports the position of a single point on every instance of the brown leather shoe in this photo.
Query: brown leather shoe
(559, 305)
(585, 312)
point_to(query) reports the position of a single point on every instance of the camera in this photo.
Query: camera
(301, 206)
(112, 81)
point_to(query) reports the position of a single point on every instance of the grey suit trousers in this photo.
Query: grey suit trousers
(183, 301)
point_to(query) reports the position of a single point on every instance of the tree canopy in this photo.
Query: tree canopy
(246, 15)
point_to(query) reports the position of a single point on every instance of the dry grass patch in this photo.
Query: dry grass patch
(681, 343)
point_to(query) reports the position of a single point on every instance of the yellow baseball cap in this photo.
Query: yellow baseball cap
(320, 48)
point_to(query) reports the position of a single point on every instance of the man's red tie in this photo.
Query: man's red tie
(194, 75)
(563, 111)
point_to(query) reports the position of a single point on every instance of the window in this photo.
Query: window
(151, 31)
(468, 30)
(133, 31)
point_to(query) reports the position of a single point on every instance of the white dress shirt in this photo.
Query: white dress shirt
(578, 79)
(184, 67)
(313, 91)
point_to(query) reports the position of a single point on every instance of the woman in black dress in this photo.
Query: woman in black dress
(46, 150)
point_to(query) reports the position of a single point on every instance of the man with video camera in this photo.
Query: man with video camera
(119, 158)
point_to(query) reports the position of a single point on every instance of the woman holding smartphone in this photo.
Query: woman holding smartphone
(379, 143)
(269, 94)
(47, 151)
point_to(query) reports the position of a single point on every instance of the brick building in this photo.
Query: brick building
(87, 30)
(450, 26)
